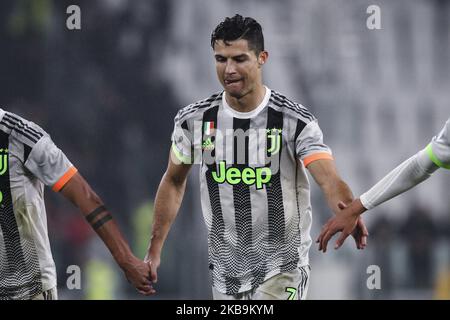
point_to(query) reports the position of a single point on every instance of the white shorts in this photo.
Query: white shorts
(292, 285)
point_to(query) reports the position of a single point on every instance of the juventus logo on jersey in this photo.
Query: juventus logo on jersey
(274, 138)
(3, 161)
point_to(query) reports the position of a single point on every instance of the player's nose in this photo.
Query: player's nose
(230, 68)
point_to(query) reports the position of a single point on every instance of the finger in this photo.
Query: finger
(365, 232)
(322, 238)
(341, 239)
(145, 287)
(357, 239)
(319, 240)
(324, 242)
(332, 230)
(149, 264)
(364, 241)
(360, 238)
(356, 242)
(154, 275)
(324, 229)
(147, 293)
(321, 244)
(326, 238)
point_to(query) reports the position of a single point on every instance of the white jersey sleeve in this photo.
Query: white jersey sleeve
(439, 148)
(182, 142)
(309, 144)
(408, 174)
(412, 171)
(49, 164)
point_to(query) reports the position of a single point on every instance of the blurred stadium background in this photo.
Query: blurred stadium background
(108, 93)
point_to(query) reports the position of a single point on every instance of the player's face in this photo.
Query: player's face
(238, 68)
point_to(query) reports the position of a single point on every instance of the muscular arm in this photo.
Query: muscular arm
(167, 203)
(336, 191)
(78, 191)
(334, 188)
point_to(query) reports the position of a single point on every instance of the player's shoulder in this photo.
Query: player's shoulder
(296, 110)
(197, 108)
(20, 128)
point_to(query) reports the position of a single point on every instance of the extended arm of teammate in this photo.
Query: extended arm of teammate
(167, 203)
(337, 194)
(405, 176)
(78, 191)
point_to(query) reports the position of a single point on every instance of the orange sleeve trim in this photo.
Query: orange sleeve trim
(64, 179)
(317, 156)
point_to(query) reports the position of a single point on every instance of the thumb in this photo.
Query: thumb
(154, 274)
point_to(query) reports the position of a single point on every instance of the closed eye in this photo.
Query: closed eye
(220, 58)
(240, 58)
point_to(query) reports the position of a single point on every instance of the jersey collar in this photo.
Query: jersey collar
(250, 114)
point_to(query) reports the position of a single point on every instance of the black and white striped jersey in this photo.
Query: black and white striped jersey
(254, 187)
(28, 161)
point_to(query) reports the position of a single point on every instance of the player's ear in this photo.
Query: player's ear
(262, 57)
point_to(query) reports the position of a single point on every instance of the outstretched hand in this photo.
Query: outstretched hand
(349, 222)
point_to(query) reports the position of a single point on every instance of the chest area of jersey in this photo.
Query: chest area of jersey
(243, 152)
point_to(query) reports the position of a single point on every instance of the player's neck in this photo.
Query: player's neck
(249, 102)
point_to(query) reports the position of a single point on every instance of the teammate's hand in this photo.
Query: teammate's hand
(137, 273)
(348, 221)
(155, 260)
(360, 235)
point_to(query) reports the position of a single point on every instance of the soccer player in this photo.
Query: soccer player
(404, 177)
(253, 145)
(29, 160)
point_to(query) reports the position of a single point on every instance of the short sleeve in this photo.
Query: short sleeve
(49, 164)
(309, 144)
(439, 148)
(182, 142)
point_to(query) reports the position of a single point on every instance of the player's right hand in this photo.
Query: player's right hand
(137, 273)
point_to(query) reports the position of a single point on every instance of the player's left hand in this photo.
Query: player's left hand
(137, 273)
(348, 221)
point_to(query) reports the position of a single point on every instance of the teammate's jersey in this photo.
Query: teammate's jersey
(254, 192)
(439, 148)
(28, 160)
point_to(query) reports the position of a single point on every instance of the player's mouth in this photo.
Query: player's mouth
(231, 82)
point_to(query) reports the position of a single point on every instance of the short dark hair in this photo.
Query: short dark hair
(237, 28)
